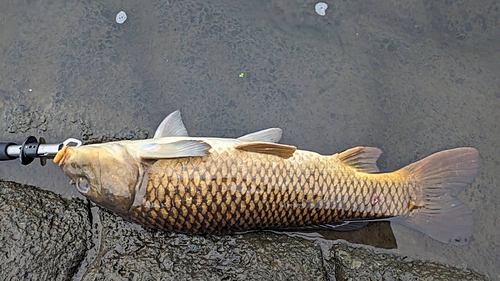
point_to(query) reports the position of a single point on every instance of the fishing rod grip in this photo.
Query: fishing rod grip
(3, 151)
(32, 148)
(26, 152)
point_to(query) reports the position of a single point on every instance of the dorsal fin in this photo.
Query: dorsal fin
(361, 158)
(171, 126)
(281, 150)
(183, 148)
(267, 135)
(337, 226)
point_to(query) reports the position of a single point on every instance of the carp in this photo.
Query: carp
(204, 185)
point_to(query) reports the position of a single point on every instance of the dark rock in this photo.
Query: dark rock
(132, 253)
(359, 263)
(43, 236)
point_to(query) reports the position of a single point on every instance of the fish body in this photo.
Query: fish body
(233, 190)
(178, 183)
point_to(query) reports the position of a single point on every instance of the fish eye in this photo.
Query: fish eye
(82, 184)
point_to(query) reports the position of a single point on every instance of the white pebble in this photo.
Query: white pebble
(321, 8)
(121, 17)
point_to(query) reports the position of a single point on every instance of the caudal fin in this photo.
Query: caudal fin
(435, 209)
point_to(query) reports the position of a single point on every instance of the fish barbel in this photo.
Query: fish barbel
(196, 185)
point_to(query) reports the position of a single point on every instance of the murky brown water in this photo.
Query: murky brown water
(409, 77)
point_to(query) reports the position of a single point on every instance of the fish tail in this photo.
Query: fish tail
(437, 180)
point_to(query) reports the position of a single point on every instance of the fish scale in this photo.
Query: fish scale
(234, 191)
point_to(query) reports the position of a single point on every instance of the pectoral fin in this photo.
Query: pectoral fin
(183, 148)
(361, 158)
(267, 135)
(171, 126)
(281, 150)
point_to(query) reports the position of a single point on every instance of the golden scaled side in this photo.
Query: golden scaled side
(234, 191)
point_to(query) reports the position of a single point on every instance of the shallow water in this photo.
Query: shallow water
(411, 78)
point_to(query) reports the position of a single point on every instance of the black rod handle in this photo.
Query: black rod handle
(32, 148)
(3, 151)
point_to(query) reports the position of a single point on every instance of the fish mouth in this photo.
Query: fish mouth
(62, 155)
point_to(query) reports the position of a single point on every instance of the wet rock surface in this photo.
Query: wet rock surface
(129, 252)
(46, 237)
(42, 236)
(358, 263)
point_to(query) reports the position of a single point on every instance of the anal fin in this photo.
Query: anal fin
(281, 150)
(361, 158)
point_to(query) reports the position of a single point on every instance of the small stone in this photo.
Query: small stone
(321, 8)
(121, 17)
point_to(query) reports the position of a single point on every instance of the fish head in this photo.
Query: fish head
(105, 173)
